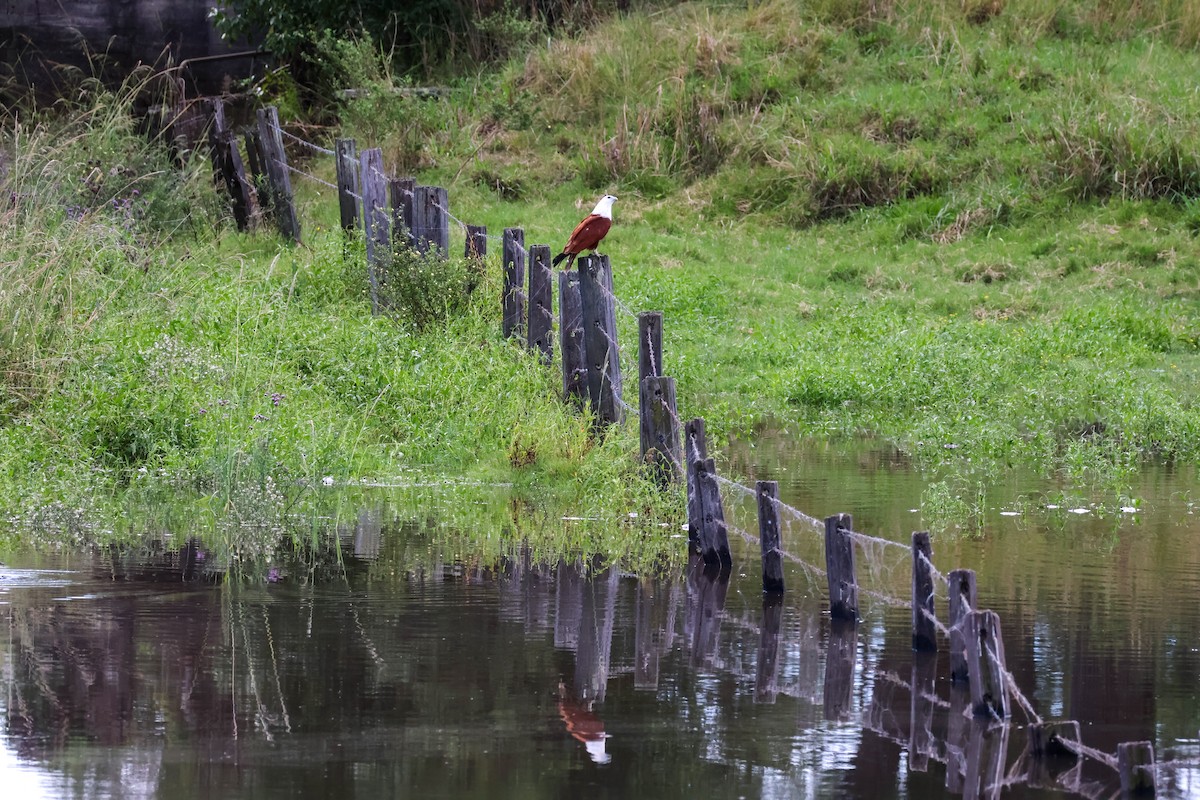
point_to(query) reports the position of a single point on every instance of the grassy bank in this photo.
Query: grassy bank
(973, 233)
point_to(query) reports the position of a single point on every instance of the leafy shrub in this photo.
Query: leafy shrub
(427, 290)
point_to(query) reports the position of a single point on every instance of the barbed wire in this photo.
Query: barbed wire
(306, 143)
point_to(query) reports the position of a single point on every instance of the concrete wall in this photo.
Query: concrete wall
(36, 33)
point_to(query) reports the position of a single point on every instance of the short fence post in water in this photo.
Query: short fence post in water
(431, 221)
(541, 303)
(962, 597)
(649, 344)
(227, 162)
(570, 332)
(403, 193)
(513, 321)
(839, 566)
(924, 629)
(695, 453)
(985, 664)
(767, 493)
(346, 163)
(1047, 739)
(276, 167)
(1135, 765)
(600, 339)
(714, 536)
(376, 220)
(661, 450)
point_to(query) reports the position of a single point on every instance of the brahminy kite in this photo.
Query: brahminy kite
(589, 232)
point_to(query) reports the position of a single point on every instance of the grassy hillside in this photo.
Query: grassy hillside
(968, 227)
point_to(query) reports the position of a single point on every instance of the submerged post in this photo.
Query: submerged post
(767, 493)
(985, 664)
(962, 596)
(513, 322)
(924, 627)
(1135, 765)
(839, 567)
(541, 303)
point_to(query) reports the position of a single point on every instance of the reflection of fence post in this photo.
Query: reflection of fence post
(276, 168)
(649, 344)
(987, 747)
(839, 567)
(839, 669)
(1135, 765)
(541, 311)
(659, 429)
(769, 538)
(513, 321)
(345, 153)
(570, 333)
(924, 629)
(766, 673)
(921, 701)
(600, 339)
(985, 664)
(962, 596)
(376, 220)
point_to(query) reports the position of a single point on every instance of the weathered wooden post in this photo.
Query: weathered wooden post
(714, 536)
(962, 596)
(987, 747)
(475, 248)
(227, 163)
(276, 167)
(767, 494)
(1135, 765)
(695, 447)
(570, 332)
(985, 664)
(839, 567)
(431, 221)
(254, 158)
(403, 192)
(541, 309)
(376, 221)
(659, 429)
(513, 321)
(649, 344)
(924, 629)
(345, 154)
(1051, 739)
(600, 339)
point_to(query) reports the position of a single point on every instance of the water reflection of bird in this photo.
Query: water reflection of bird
(588, 232)
(583, 724)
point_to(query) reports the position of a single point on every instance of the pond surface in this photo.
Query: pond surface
(414, 670)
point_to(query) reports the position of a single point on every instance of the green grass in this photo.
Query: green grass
(974, 234)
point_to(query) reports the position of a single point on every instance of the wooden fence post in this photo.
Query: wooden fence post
(600, 339)
(985, 664)
(659, 429)
(1048, 739)
(839, 566)
(376, 221)
(475, 248)
(695, 447)
(1135, 765)
(254, 156)
(924, 627)
(345, 154)
(276, 168)
(570, 332)
(227, 162)
(714, 536)
(513, 321)
(767, 494)
(402, 192)
(962, 596)
(541, 303)
(431, 221)
(649, 344)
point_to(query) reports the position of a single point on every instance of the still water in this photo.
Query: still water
(442, 675)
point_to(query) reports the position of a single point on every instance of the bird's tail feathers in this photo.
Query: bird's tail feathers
(558, 259)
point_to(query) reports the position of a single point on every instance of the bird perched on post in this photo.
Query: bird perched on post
(589, 232)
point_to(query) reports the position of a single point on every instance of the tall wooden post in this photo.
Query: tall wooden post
(403, 193)
(649, 344)
(659, 428)
(570, 332)
(839, 566)
(714, 536)
(513, 321)
(431, 221)
(227, 162)
(254, 159)
(985, 664)
(541, 310)
(962, 599)
(767, 494)
(376, 221)
(345, 154)
(924, 629)
(695, 453)
(600, 339)
(276, 167)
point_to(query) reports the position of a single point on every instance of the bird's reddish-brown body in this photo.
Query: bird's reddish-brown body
(587, 234)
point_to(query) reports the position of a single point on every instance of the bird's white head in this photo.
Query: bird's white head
(604, 207)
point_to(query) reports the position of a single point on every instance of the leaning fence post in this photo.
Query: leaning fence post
(695, 448)
(541, 310)
(962, 596)
(345, 153)
(600, 338)
(431, 221)
(985, 664)
(513, 321)
(570, 332)
(767, 493)
(924, 628)
(402, 192)
(649, 344)
(376, 220)
(276, 167)
(839, 566)
(227, 162)
(1135, 765)
(659, 429)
